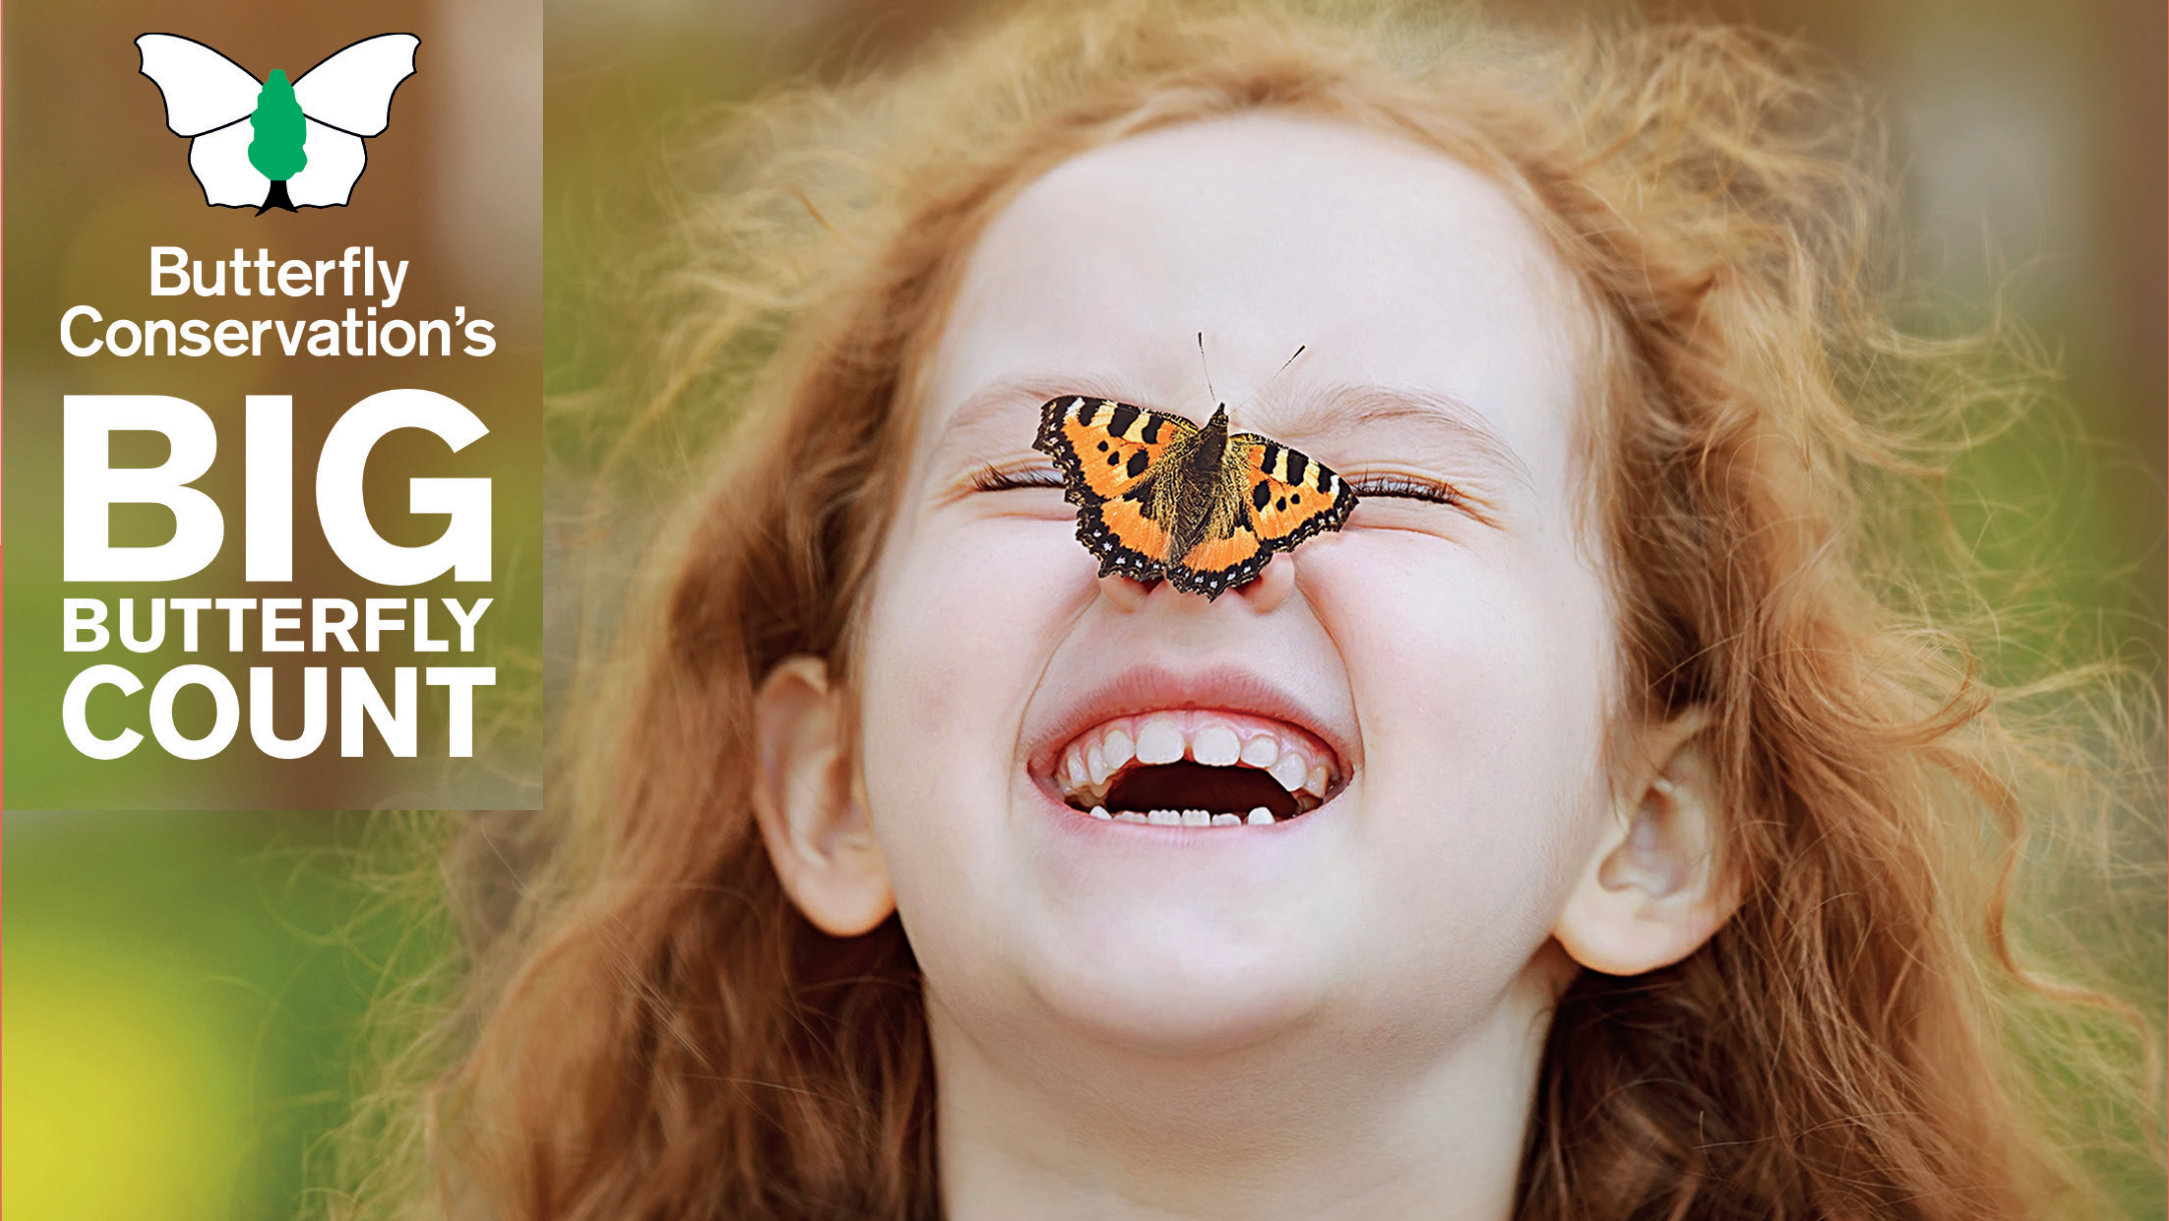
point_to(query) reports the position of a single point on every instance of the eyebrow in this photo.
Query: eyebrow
(1007, 394)
(1340, 408)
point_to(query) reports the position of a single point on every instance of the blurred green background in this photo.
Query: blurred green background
(183, 992)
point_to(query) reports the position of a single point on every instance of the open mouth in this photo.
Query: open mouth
(1196, 768)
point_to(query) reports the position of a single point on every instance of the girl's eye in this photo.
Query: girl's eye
(1407, 487)
(991, 479)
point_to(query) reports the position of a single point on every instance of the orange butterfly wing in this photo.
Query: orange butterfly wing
(1288, 496)
(1218, 565)
(1109, 454)
(1106, 452)
(1291, 495)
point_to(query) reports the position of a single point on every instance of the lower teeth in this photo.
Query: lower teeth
(1259, 817)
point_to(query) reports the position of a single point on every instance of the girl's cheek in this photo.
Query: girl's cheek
(1414, 600)
(1473, 648)
(1002, 577)
(966, 617)
(960, 630)
(1480, 716)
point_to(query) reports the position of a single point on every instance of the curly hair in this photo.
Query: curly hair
(660, 1033)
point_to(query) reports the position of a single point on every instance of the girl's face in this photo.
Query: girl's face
(1442, 670)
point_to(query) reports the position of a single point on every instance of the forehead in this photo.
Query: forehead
(1396, 265)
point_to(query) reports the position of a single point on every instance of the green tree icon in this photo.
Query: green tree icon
(276, 151)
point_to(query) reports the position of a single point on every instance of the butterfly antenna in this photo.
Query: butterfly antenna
(1208, 368)
(1299, 350)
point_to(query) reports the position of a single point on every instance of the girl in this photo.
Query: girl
(1644, 852)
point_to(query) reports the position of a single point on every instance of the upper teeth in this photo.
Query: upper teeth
(1298, 762)
(1159, 740)
(1216, 745)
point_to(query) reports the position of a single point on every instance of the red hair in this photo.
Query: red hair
(662, 1034)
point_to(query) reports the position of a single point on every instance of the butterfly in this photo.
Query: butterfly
(1159, 496)
(269, 144)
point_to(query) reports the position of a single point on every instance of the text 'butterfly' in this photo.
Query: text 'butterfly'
(1157, 496)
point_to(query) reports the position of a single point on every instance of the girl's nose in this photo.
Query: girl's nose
(1264, 594)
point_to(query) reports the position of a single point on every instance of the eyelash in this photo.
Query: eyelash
(1408, 488)
(993, 480)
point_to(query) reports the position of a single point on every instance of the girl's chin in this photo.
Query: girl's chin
(1143, 982)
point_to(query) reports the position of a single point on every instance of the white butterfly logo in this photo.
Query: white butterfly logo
(237, 125)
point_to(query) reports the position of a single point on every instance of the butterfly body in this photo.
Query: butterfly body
(1160, 497)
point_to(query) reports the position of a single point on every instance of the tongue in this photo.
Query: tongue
(1195, 786)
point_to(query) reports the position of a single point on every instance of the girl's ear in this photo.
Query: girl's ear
(811, 814)
(1652, 892)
